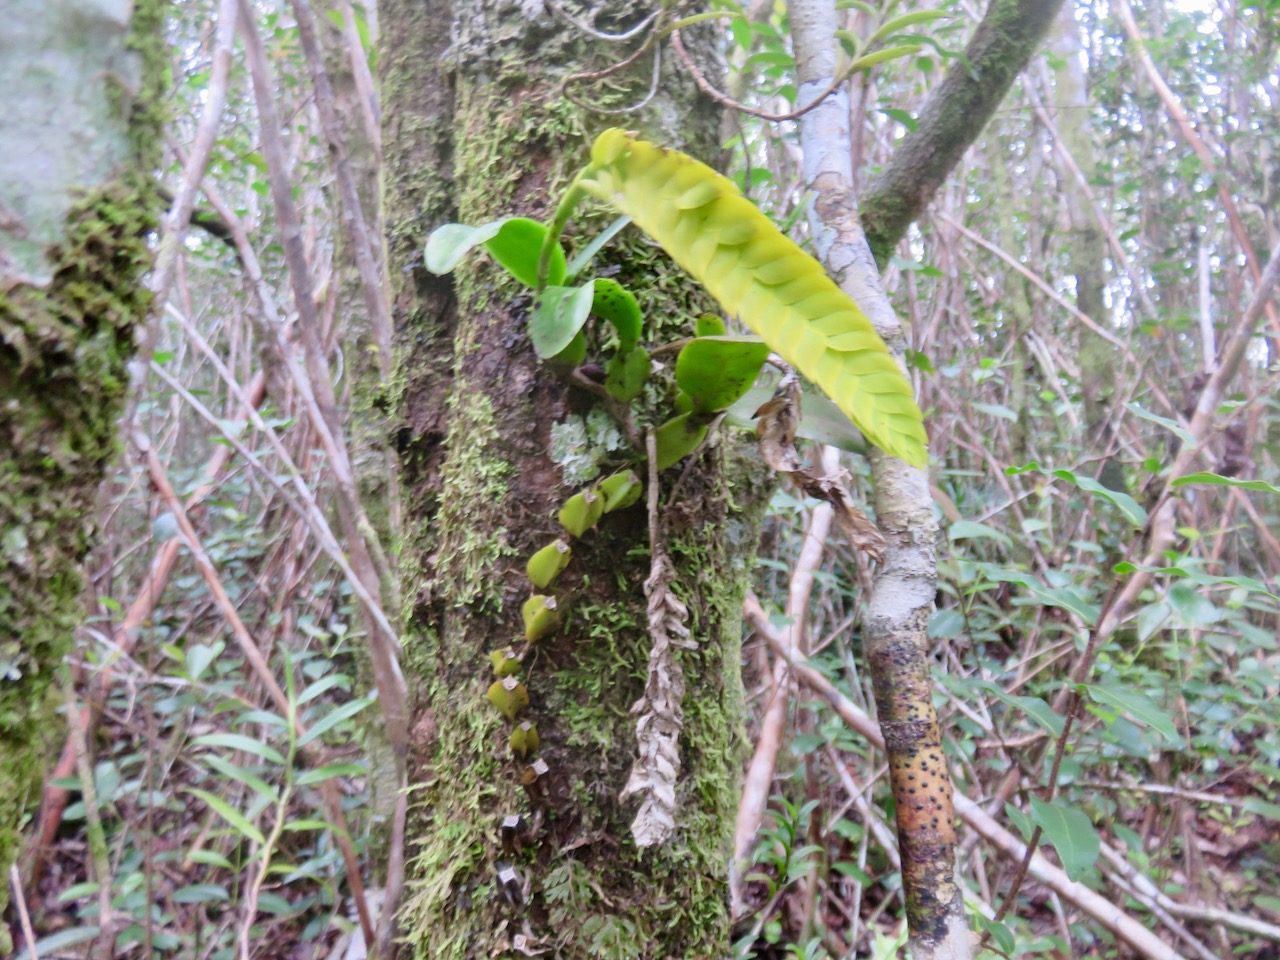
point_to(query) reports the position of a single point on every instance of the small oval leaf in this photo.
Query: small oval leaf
(558, 314)
(716, 371)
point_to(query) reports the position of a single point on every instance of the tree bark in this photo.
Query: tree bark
(1086, 249)
(955, 113)
(895, 640)
(83, 83)
(485, 136)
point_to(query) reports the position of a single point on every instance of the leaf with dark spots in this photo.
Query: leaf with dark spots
(716, 371)
(615, 303)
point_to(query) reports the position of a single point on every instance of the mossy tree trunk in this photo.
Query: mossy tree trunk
(77, 204)
(480, 135)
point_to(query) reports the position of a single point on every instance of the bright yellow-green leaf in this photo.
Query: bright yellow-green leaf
(717, 235)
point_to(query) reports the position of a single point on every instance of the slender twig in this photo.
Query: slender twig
(176, 221)
(758, 781)
(725, 100)
(591, 31)
(97, 839)
(260, 668)
(24, 918)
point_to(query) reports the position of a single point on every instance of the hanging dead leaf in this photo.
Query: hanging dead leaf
(779, 418)
(857, 526)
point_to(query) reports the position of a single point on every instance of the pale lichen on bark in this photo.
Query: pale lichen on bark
(895, 641)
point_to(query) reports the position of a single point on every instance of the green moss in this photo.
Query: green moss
(63, 377)
(469, 554)
(482, 498)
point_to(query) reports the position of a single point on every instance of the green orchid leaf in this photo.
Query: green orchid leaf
(617, 304)
(626, 374)
(716, 371)
(559, 313)
(677, 438)
(515, 242)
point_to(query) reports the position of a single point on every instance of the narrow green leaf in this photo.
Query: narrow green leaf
(909, 122)
(230, 814)
(275, 904)
(904, 22)
(265, 717)
(323, 684)
(55, 943)
(1262, 808)
(880, 56)
(238, 741)
(1025, 468)
(770, 58)
(996, 410)
(1033, 707)
(558, 314)
(1212, 479)
(854, 871)
(333, 718)
(1071, 834)
(1128, 506)
(587, 253)
(252, 780)
(1065, 597)
(210, 858)
(298, 825)
(1181, 432)
(332, 770)
(1138, 706)
(971, 529)
(78, 890)
(200, 893)
(1204, 579)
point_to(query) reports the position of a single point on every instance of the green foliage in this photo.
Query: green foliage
(761, 277)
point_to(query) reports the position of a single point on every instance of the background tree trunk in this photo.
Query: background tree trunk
(481, 492)
(78, 149)
(1087, 249)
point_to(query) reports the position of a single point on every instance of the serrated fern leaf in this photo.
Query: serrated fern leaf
(756, 273)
